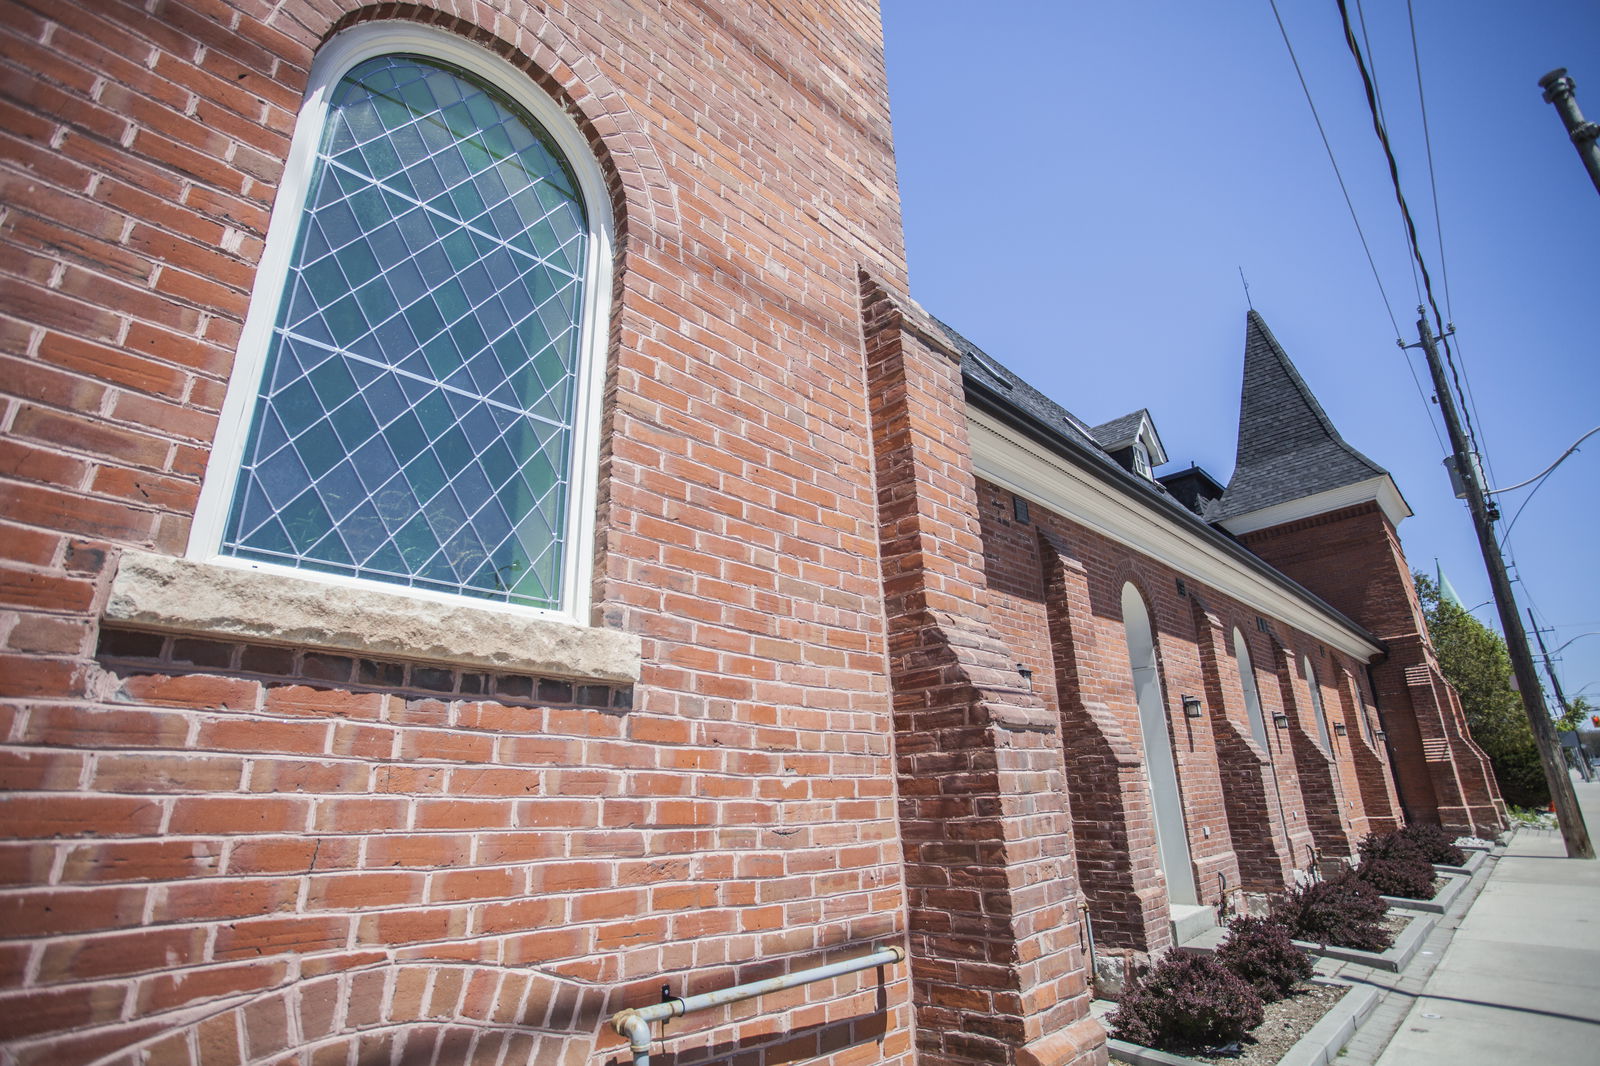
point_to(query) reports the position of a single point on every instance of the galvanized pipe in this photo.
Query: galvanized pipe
(634, 1022)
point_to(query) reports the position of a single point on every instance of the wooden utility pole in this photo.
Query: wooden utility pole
(1573, 830)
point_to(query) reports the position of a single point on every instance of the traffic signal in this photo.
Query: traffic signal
(1595, 718)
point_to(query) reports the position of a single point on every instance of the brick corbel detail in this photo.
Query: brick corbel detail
(1255, 823)
(1427, 706)
(1465, 803)
(1113, 825)
(997, 971)
(1483, 791)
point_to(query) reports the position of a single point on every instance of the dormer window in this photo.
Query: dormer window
(1132, 442)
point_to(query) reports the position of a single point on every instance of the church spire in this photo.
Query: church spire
(1291, 459)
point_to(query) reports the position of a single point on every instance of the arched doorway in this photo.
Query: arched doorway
(1172, 838)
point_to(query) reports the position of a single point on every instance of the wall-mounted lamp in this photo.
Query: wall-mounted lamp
(1339, 728)
(1381, 735)
(1281, 720)
(1027, 674)
(1191, 707)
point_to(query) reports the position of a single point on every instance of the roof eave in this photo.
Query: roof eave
(1147, 494)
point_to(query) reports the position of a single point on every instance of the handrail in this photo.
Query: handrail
(634, 1022)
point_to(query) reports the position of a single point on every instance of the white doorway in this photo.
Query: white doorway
(1172, 838)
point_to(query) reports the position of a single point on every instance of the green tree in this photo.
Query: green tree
(1576, 714)
(1474, 659)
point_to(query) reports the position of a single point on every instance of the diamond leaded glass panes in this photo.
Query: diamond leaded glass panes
(415, 418)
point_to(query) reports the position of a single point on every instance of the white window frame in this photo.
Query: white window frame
(343, 52)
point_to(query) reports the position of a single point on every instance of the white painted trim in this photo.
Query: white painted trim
(346, 50)
(1010, 459)
(1161, 765)
(1381, 489)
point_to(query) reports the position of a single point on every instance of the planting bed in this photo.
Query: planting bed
(1307, 1029)
(1406, 944)
(1454, 885)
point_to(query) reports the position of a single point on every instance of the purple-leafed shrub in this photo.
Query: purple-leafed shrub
(1342, 910)
(1186, 1003)
(1396, 865)
(1435, 843)
(1262, 952)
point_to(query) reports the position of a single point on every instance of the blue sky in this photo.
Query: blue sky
(1082, 183)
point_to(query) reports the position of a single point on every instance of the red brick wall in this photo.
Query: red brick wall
(1050, 574)
(992, 900)
(1352, 558)
(229, 853)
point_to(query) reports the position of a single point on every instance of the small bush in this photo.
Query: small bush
(1435, 844)
(1396, 865)
(1342, 910)
(1261, 951)
(1187, 1003)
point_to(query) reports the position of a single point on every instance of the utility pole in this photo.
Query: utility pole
(1573, 831)
(1555, 682)
(1558, 90)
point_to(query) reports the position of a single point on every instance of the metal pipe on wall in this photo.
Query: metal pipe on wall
(634, 1022)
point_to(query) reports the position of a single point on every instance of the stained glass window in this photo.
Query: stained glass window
(415, 418)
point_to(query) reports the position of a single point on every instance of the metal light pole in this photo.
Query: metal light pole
(1558, 90)
(1573, 830)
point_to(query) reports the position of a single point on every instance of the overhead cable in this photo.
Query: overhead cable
(1337, 175)
(1400, 197)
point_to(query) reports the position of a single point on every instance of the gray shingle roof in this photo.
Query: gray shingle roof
(1288, 449)
(980, 368)
(1119, 430)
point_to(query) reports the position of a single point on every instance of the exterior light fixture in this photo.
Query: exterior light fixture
(1191, 707)
(1027, 674)
(1381, 735)
(1281, 720)
(1339, 728)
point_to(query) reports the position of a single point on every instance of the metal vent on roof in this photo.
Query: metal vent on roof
(989, 368)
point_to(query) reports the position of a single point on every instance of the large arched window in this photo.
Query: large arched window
(416, 397)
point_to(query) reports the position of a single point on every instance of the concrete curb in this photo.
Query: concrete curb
(1323, 1042)
(1454, 884)
(1320, 1045)
(1475, 860)
(1397, 958)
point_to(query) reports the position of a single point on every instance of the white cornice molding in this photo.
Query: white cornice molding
(1009, 459)
(1380, 489)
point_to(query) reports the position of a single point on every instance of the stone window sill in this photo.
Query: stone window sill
(165, 594)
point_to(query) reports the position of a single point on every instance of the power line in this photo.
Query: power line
(1336, 173)
(1546, 471)
(1427, 143)
(1433, 187)
(1400, 198)
(1377, 93)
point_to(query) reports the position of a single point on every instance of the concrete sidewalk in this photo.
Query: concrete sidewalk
(1520, 980)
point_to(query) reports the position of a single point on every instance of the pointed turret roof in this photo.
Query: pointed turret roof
(1289, 451)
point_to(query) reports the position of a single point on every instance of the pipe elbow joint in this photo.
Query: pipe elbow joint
(628, 1023)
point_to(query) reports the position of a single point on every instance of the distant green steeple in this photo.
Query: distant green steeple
(1447, 593)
